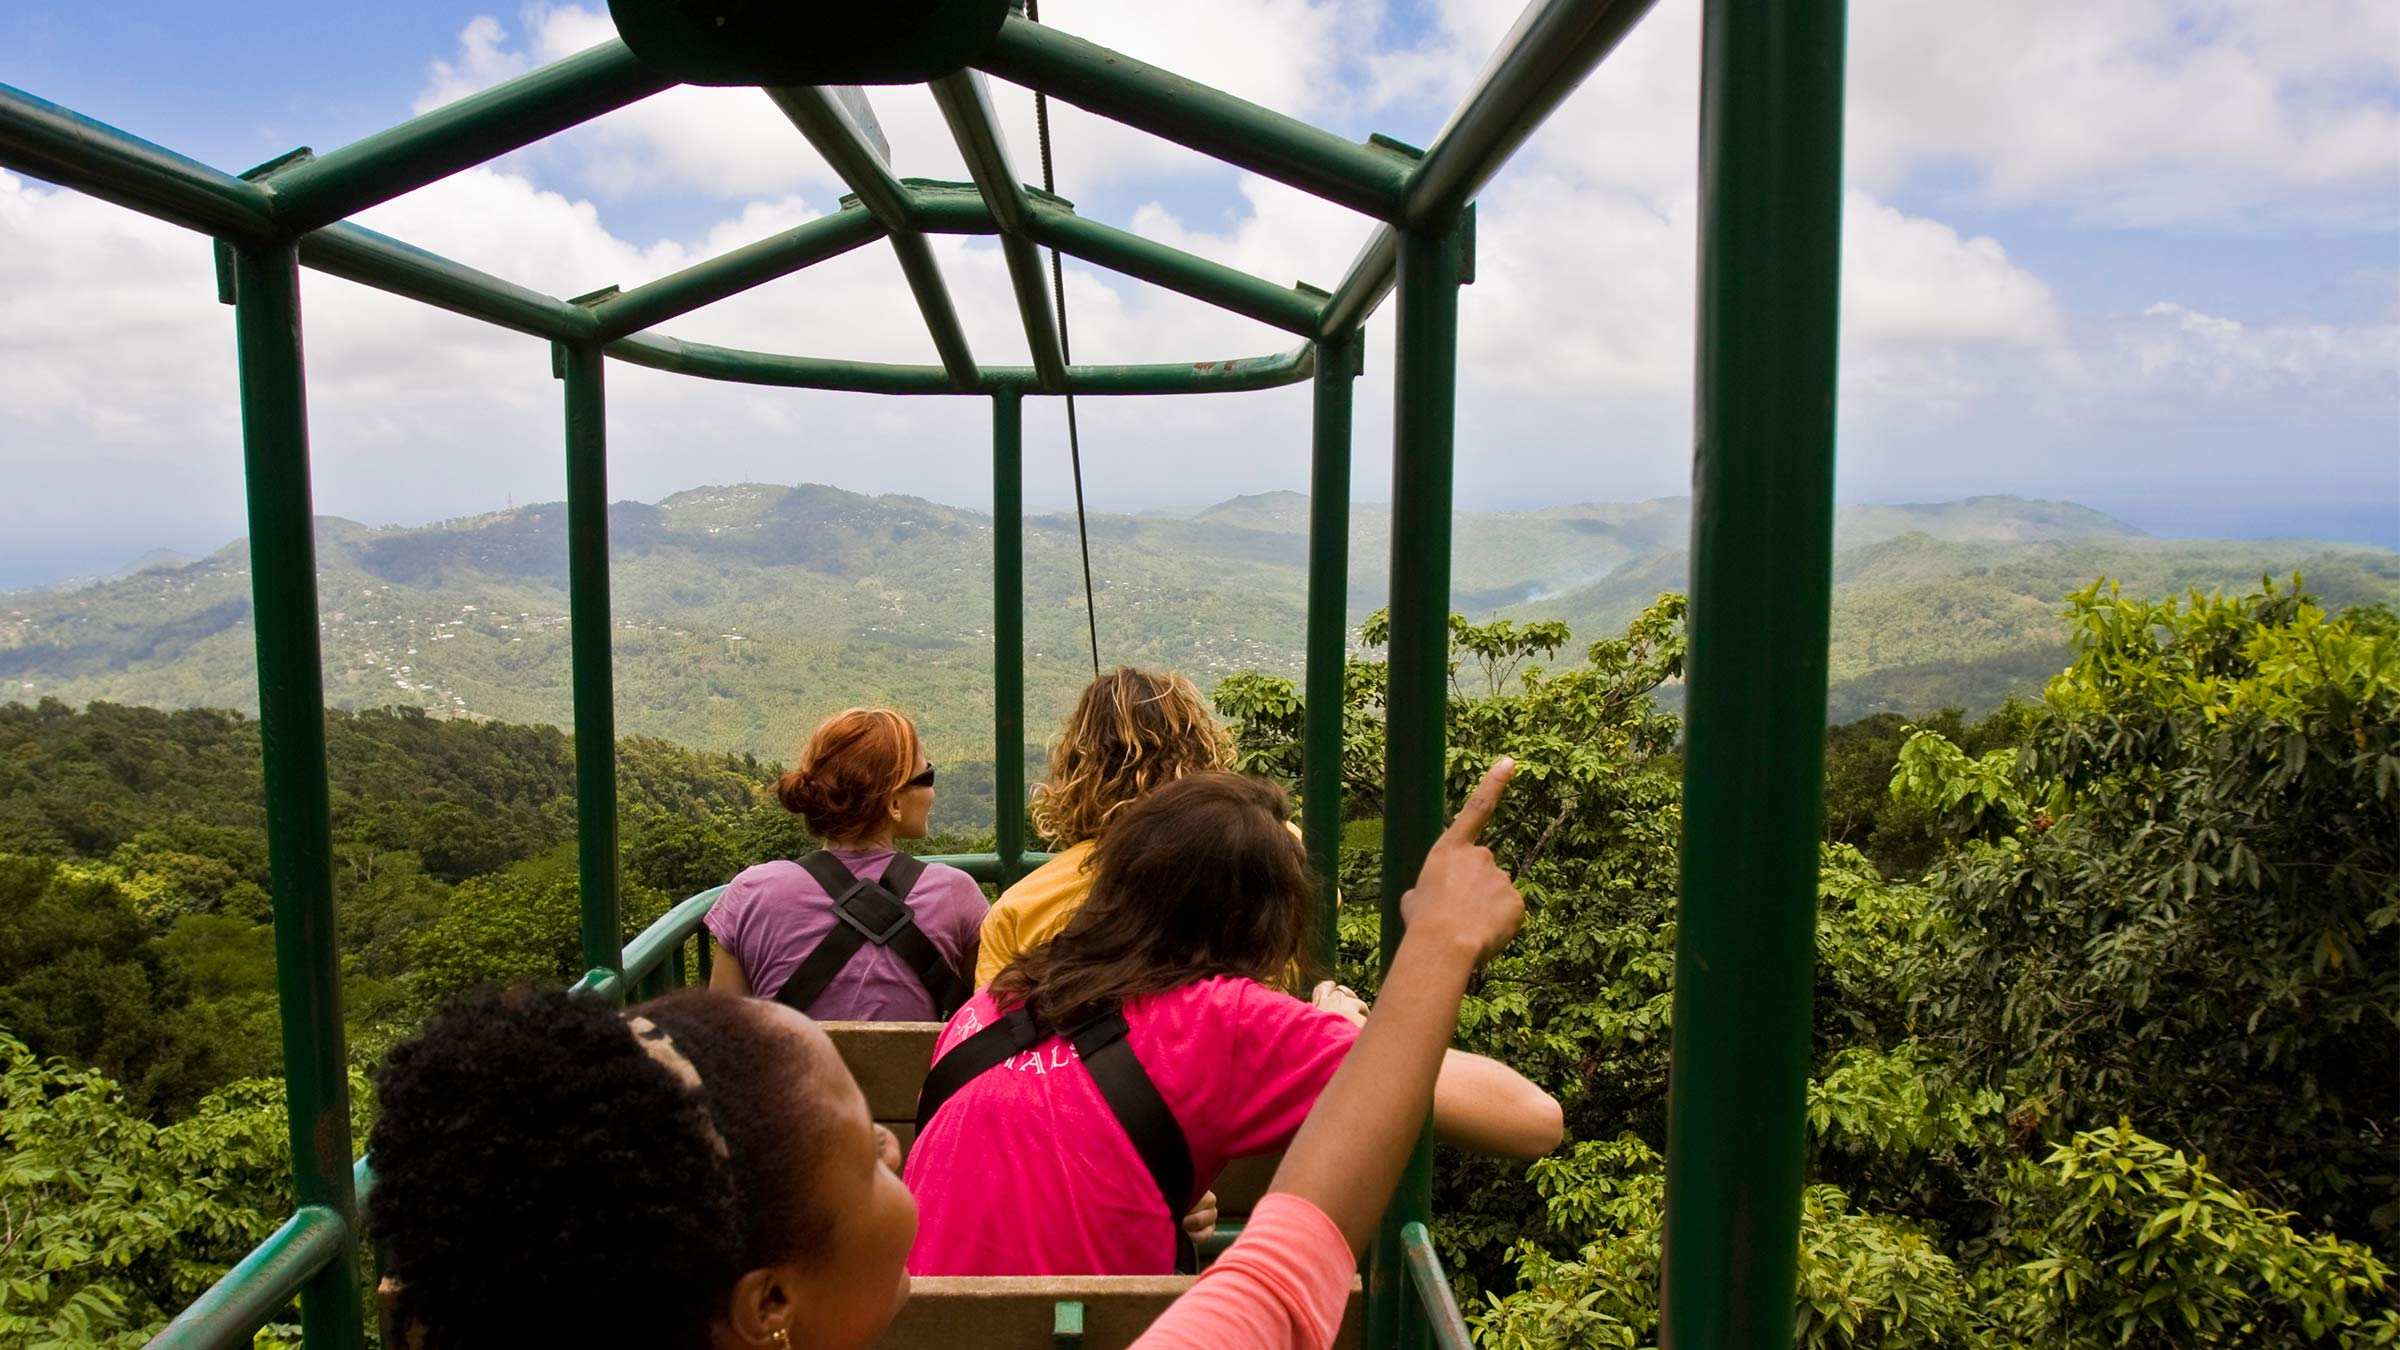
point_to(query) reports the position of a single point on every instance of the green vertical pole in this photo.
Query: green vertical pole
(590, 654)
(1008, 631)
(1762, 549)
(1328, 626)
(291, 730)
(1417, 700)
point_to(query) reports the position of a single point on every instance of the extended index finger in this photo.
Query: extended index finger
(1467, 827)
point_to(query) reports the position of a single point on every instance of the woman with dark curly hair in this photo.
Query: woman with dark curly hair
(701, 1171)
(856, 931)
(550, 1171)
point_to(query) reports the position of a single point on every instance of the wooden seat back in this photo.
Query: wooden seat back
(1022, 1312)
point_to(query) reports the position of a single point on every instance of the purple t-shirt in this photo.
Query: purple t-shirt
(773, 915)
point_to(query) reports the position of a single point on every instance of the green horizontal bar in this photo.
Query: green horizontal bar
(261, 1285)
(385, 263)
(483, 125)
(1190, 113)
(40, 138)
(956, 208)
(986, 866)
(739, 366)
(1284, 307)
(1433, 1289)
(729, 274)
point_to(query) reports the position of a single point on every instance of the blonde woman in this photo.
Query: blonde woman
(1132, 731)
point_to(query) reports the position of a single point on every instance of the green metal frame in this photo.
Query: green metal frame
(1770, 222)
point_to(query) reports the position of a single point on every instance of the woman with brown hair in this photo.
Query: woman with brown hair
(855, 931)
(1078, 1106)
(1132, 731)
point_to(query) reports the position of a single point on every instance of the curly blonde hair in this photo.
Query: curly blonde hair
(1130, 732)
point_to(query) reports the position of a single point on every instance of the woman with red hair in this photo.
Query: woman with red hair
(856, 931)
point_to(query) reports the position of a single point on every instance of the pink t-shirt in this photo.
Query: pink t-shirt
(773, 915)
(1025, 1171)
(1281, 1286)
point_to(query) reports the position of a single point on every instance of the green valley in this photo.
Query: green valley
(743, 613)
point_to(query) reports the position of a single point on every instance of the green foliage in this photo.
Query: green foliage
(110, 1224)
(2181, 902)
(1966, 1026)
(138, 943)
(2165, 895)
(518, 926)
(1865, 1279)
(2134, 1243)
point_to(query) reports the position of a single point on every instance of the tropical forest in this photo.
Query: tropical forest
(2104, 1051)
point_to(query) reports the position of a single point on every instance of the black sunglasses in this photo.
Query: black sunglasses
(924, 779)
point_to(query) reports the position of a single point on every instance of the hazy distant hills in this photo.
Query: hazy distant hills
(745, 612)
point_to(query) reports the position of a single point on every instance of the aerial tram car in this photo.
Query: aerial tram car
(1770, 174)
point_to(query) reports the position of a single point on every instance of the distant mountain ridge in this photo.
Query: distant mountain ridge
(743, 612)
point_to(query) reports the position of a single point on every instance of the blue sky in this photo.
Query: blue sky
(2144, 254)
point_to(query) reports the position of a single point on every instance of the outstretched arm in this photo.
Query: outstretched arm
(1462, 911)
(1484, 1106)
(1479, 1103)
(1282, 1285)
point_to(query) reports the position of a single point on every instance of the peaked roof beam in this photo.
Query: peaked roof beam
(484, 125)
(1554, 45)
(703, 283)
(829, 127)
(1294, 311)
(967, 105)
(1189, 113)
(65, 147)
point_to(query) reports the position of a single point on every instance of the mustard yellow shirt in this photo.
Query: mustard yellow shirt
(1032, 912)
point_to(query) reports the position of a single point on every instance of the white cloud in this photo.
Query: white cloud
(2240, 113)
(1576, 339)
(2176, 350)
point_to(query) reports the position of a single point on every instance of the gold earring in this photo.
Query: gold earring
(783, 1337)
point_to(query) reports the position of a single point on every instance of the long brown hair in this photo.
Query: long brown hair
(853, 765)
(1131, 731)
(1199, 878)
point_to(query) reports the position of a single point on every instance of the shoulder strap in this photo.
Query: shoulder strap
(941, 981)
(1012, 1035)
(1124, 1085)
(809, 979)
(871, 911)
(1157, 1136)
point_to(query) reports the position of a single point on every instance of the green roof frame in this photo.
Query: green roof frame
(1770, 169)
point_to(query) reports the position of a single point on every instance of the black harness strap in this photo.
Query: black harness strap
(1131, 1096)
(874, 912)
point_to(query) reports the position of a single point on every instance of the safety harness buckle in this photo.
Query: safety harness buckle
(871, 910)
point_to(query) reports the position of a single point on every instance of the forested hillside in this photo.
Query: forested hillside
(2107, 1013)
(2105, 1020)
(744, 613)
